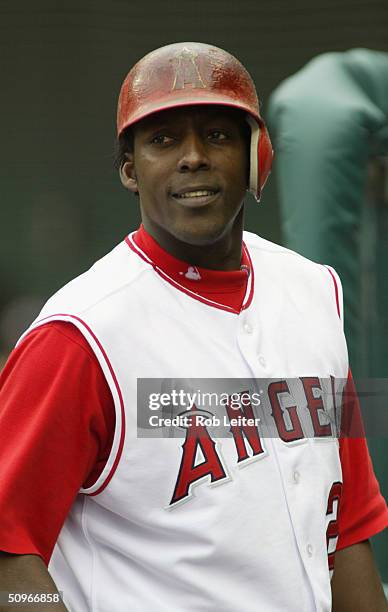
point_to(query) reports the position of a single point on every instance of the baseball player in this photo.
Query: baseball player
(247, 522)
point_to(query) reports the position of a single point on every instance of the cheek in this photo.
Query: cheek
(238, 171)
(153, 174)
(149, 181)
(245, 162)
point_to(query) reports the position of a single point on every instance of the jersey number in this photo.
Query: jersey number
(332, 528)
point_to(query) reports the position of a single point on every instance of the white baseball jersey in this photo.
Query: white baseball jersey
(242, 523)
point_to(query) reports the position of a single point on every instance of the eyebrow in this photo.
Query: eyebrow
(157, 122)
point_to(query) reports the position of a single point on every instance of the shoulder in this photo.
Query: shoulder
(294, 271)
(257, 244)
(279, 256)
(107, 277)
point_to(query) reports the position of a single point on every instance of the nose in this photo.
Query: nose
(193, 154)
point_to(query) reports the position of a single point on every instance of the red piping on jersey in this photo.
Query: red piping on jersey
(251, 279)
(122, 433)
(336, 290)
(192, 294)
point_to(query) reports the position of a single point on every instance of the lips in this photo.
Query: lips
(199, 193)
(196, 196)
(193, 191)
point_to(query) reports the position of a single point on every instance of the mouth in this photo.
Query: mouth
(196, 198)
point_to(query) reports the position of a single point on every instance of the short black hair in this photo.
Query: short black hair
(124, 145)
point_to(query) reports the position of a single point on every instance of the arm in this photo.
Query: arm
(356, 584)
(26, 574)
(363, 513)
(56, 423)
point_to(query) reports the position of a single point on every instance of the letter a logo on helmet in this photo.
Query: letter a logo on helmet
(186, 70)
(184, 74)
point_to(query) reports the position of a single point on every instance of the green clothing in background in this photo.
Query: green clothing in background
(329, 123)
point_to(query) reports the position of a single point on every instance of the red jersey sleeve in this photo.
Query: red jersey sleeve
(363, 511)
(57, 423)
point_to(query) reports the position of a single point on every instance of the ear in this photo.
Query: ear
(128, 174)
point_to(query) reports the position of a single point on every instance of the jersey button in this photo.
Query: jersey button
(296, 476)
(248, 328)
(310, 550)
(262, 361)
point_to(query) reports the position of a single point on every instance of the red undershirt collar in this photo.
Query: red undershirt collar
(227, 289)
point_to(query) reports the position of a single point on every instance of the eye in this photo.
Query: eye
(218, 135)
(162, 139)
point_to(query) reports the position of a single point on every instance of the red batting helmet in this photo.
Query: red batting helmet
(190, 73)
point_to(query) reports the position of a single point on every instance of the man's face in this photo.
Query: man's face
(190, 167)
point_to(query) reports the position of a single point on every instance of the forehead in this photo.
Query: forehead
(199, 113)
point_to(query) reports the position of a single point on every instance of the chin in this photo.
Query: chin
(200, 234)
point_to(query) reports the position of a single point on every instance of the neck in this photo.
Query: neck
(223, 254)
